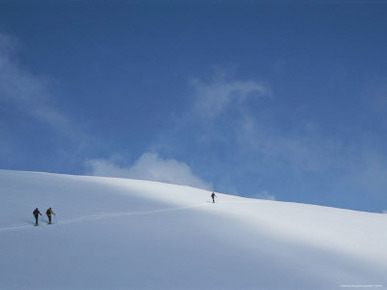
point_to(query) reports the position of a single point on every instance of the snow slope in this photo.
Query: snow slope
(130, 234)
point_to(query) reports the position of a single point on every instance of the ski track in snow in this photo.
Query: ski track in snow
(94, 217)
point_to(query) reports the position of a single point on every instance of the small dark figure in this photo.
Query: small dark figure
(213, 195)
(36, 213)
(49, 212)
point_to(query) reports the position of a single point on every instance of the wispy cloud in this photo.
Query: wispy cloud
(305, 150)
(265, 195)
(252, 134)
(28, 93)
(149, 166)
(213, 97)
(367, 173)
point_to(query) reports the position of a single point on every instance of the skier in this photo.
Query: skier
(213, 195)
(49, 212)
(36, 213)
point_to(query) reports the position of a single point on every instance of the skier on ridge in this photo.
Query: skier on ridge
(36, 213)
(49, 212)
(213, 195)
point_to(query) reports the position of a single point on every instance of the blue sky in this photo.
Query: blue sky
(269, 99)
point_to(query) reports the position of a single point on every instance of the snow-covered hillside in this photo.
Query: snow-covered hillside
(130, 234)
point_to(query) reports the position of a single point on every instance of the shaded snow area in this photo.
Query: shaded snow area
(128, 234)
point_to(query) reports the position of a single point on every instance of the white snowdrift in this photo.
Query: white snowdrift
(130, 234)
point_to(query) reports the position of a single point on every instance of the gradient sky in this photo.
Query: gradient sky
(270, 99)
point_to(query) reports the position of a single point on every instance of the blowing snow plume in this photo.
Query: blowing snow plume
(148, 167)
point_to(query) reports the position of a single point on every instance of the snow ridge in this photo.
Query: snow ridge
(130, 234)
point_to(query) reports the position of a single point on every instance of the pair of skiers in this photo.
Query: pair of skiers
(49, 213)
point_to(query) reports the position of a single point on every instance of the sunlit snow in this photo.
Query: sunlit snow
(111, 233)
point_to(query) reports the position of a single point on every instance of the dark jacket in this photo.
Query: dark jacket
(36, 212)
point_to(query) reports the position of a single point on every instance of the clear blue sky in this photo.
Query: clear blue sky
(270, 99)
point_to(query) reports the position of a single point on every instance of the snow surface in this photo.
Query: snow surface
(130, 234)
